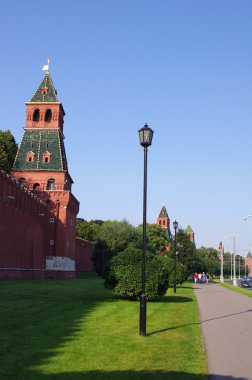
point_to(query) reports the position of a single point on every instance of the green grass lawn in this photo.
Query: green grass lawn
(237, 289)
(76, 329)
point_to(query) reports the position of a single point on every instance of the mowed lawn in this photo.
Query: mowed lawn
(77, 329)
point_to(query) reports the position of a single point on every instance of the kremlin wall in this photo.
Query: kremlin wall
(27, 230)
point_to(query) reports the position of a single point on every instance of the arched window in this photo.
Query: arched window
(48, 116)
(36, 186)
(30, 156)
(51, 184)
(36, 115)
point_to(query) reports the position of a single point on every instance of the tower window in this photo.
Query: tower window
(30, 156)
(163, 222)
(48, 116)
(46, 157)
(36, 115)
(51, 184)
(36, 186)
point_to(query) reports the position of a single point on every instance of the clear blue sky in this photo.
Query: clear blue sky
(183, 66)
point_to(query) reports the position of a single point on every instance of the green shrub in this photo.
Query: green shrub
(182, 272)
(125, 274)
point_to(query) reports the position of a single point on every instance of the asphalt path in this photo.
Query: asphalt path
(226, 321)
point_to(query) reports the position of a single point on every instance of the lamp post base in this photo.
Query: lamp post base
(142, 331)
(234, 281)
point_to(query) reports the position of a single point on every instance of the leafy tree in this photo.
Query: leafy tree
(181, 270)
(156, 237)
(113, 237)
(117, 235)
(125, 274)
(227, 263)
(87, 230)
(210, 260)
(8, 150)
(188, 255)
(100, 257)
(99, 222)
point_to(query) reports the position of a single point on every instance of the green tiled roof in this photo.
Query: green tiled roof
(40, 142)
(49, 95)
(188, 229)
(163, 213)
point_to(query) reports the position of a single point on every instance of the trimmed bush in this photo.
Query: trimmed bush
(125, 274)
(181, 271)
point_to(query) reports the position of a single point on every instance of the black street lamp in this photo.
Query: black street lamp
(145, 136)
(175, 226)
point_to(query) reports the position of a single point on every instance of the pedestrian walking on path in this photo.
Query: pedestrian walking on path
(226, 320)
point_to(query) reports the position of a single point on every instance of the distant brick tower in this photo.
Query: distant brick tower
(189, 232)
(248, 263)
(164, 222)
(220, 249)
(41, 166)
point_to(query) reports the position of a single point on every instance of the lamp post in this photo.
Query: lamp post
(239, 267)
(234, 253)
(231, 264)
(175, 226)
(221, 258)
(145, 136)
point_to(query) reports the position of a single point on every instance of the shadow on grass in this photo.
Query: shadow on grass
(171, 328)
(172, 299)
(39, 316)
(130, 375)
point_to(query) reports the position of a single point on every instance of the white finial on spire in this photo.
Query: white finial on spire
(47, 67)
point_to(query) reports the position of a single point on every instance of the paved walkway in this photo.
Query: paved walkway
(226, 320)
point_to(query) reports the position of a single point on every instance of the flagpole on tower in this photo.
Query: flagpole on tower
(47, 67)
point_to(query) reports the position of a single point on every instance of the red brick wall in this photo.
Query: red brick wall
(24, 231)
(83, 256)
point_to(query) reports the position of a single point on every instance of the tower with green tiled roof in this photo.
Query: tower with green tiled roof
(41, 163)
(42, 146)
(189, 232)
(163, 221)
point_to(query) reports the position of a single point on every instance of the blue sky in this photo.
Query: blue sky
(184, 67)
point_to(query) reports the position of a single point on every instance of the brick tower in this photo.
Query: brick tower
(190, 233)
(41, 166)
(164, 222)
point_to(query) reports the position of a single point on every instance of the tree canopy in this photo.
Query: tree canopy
(156, 237)
(117, 235)
(87, 230)
(8, 150)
